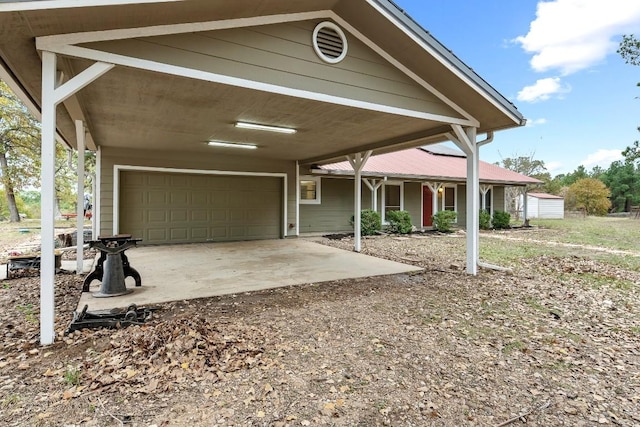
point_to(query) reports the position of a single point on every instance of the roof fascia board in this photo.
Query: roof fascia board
(422, 178)
(420, 36)
(53, 41)
(66, 4)
(110, 58)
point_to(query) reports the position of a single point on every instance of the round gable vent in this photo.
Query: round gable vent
(329, 42)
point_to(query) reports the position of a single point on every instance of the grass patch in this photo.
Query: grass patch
(28, 312)
(72, 375)
(513, 346)
(613, 233)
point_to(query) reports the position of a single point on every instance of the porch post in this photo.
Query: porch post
(374, 185)
(80, 136)
(52, 95)
(47, 190)
(473, 205)
(357, 163)
(484, 189)
(525, 206)
(466, 140)
(434, 187)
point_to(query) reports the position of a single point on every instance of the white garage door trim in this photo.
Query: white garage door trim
(116, 186)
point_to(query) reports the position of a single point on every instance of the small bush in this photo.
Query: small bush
(399, 222)
(443, 220)
(370, 222)
(501, 220)
(485, 219)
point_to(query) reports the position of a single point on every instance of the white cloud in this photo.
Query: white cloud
(553, 167)
(535, 122)
(602, 158)
(542, 90)
(571, 35)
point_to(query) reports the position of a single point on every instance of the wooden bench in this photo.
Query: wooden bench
(68, 216)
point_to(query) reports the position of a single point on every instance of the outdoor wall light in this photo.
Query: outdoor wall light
(232, 145)
(255, 126)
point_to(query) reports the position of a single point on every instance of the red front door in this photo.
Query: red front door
(427, 207)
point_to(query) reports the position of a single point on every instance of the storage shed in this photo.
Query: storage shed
(544, 206)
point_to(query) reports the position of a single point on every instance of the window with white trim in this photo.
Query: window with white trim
(448, 200)
(310, 190)
(393, 199)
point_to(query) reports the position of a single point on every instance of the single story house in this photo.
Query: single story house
(421, 181)
(203, 112)
(544, 206)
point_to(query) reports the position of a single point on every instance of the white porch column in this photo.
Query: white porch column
(357, 163)
(525, 206)
(466, 140)
(374, 185)
(484, 189)
(434, 187)
(80, 137)
(52, 95)
(47, 204)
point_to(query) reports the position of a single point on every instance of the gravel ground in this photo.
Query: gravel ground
(558, 341)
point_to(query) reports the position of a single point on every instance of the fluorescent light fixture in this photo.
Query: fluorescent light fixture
(255, 126)
(232, 145)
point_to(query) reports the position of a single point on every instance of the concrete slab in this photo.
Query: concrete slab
(179, 272)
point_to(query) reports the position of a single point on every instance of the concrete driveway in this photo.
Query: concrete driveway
(179, 272)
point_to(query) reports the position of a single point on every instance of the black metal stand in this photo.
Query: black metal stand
(112, 247)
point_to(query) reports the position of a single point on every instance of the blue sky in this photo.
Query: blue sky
(557, 62)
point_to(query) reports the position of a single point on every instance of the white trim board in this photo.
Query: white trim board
(65, 4)
(116, 186)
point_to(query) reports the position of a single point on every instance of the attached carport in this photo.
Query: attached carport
(149, 85)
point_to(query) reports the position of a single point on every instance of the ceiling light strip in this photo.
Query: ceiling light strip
(232, 145)
(255, 126)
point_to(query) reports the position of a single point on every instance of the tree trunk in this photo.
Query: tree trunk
(14, 215)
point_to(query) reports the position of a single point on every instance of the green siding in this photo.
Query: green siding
(335, 210)
(413, 202)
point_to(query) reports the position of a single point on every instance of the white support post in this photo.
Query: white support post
(525, 206)
(80, 137)
(434, 187)
(466, 140)
(374, 185)
(47, 190)
(357, 163)
(52, 95)
(484, 189)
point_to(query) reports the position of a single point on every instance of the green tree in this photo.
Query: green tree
(629, 49)
(526, 165)
(19, 148)
(591, 195)
(623, 179)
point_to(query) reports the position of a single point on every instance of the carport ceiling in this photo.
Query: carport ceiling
(147, 110)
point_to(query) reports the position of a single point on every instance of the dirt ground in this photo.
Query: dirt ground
(558, 341)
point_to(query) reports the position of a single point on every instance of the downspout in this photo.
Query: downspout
(487, 140)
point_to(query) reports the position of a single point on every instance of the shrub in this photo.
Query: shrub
(485, 219)
(501, 220)
(370, 222)
(443, 220)
(399, 222)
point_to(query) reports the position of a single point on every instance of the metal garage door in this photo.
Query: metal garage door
(162, 207)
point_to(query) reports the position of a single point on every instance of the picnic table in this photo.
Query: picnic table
(68, 216)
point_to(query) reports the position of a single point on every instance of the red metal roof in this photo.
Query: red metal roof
(418, 163)
(544, 196)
